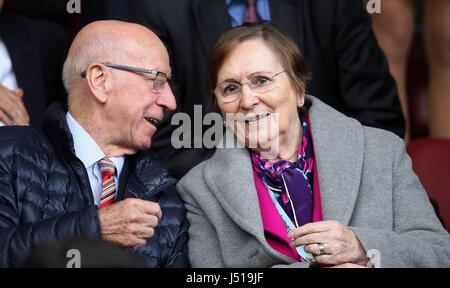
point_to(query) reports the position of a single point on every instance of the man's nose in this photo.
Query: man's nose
(166, 99)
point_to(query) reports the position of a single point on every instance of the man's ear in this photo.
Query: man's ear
(99, 81)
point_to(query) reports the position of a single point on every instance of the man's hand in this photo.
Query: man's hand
(130, 222)
(12, 109)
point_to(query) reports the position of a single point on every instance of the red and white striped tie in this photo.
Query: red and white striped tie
(108, 170)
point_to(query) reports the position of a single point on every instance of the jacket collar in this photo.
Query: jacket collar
(145, 174)
(147, 171)
(54, 125)
(339, 150)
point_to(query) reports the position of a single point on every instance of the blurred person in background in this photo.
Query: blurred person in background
(81, 253)
(394, 29)
(32, 53)
(57, 11)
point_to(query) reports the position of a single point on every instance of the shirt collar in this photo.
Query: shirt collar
(86, 149)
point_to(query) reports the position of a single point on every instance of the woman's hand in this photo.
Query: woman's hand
(350, 265)
(338, 243)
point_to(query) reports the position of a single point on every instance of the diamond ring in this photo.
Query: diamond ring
(320, 249)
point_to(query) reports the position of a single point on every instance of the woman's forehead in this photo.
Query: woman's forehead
(249, 57)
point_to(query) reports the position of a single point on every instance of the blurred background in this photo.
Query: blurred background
(414, 34)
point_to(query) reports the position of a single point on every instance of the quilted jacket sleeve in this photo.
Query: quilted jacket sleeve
(179, 257)
(16, 239)
(16, 235)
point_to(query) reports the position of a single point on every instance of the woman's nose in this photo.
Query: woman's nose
(248, 98)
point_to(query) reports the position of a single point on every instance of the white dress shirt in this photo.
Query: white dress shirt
(88, 151)
(7, 76)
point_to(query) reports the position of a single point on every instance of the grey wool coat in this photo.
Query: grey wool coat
(366, 183)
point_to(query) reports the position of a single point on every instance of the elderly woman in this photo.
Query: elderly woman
(316, 186)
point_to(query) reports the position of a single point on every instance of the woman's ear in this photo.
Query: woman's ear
(300, 99)
(300, 89)
(99, 81)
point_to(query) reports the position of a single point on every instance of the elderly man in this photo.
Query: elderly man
(85, 175)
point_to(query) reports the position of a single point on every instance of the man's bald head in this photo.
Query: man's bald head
(112, 41)
(119, 109)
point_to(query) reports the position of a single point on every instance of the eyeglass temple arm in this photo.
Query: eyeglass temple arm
(129, 69)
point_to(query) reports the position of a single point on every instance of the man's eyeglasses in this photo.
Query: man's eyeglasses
(259, 82)
(158, 82)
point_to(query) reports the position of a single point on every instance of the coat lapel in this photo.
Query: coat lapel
(287, 16)
(235, 189)
(144, 178)
(339, 150)
(236, 192)
(211, 18)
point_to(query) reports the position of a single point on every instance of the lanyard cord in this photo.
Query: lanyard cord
(288, 223)
(290, 201)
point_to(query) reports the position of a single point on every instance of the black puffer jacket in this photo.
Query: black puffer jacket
(45, 194)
